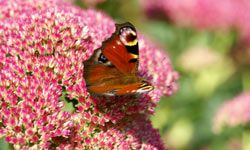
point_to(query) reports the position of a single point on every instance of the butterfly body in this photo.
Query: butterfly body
(113, 68)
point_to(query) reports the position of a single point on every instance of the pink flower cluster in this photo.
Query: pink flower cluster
(204, 13)
(234, 112)
(42, 47)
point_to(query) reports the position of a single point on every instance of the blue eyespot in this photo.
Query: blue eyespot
(102, 59)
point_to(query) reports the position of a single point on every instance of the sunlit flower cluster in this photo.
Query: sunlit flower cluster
(42, 47)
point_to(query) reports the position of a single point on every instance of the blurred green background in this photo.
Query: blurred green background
(208, 77)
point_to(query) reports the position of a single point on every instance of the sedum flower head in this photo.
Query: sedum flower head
(234, 112)
(42, 47)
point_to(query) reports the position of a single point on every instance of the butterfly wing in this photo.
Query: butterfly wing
(121, 89)
(112, 69)
(122, 49)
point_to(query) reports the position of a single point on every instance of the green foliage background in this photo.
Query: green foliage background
(185, 120)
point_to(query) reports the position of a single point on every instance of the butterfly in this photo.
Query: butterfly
(113, 68)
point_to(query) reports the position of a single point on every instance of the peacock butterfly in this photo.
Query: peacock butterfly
(113, 68)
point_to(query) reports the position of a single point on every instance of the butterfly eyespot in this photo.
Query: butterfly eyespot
(128, 36)
(102, 59)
